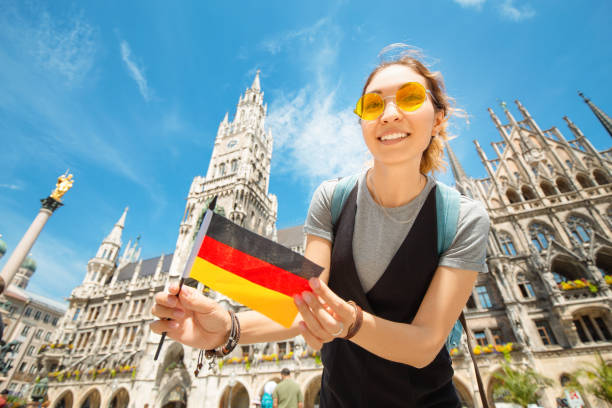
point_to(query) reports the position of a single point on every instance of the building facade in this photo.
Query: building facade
(30, 320)
(549, 256)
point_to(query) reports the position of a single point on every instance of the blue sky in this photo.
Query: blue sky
(129, 95)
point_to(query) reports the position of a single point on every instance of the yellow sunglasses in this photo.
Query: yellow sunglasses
(408, 98)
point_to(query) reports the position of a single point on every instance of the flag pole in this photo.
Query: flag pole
(188, 266)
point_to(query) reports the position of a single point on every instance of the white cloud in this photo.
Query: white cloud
(10, 186)
(276, 44)
(314, 138)
(136, 72)
(67, 47)
(511, 12)
(68, 50)
(507, 9)
(477, 4)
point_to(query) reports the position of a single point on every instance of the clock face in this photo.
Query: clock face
(231, 143)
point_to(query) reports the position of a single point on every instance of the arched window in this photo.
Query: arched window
(600, 177)
(603, 261)
(528, 193)
(541, 235)
(584, 181)
(513, 196)
(563, 185)
(234, 165)
(506, 244)
(547, 188)
(569, 164)
(525, 286)
(563, 269)
(551, 169)
(592, 327)
(222, 169)
(580, 228)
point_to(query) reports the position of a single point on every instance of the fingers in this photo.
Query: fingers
(322, 314)
(168, 326)
(193, 300)
(167, 313)
(320, 323)
(166, 299)
(313, 341)
(333, 301)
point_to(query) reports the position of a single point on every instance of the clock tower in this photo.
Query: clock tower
(238, 173)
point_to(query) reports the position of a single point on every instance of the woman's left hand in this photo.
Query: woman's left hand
(326, 316)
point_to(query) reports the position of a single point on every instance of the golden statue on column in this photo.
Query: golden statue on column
(49, 205)
(64, 183)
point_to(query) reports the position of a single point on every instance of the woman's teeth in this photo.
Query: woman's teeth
(393, 136)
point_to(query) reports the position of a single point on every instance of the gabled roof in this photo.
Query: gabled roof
(291, 237)
(38, 300)
(147, 268)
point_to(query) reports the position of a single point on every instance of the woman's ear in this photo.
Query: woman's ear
(439, 120)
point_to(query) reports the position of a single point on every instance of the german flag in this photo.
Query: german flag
(252, 270)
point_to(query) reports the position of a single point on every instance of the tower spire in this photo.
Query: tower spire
(115, 235)
(256, 85)
(605, 120)
(456, 167)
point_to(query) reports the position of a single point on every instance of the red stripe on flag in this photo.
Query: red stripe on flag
(252, 268)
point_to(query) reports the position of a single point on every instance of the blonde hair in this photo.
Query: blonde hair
(402, 54)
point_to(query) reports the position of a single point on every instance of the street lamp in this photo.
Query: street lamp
(232, 382)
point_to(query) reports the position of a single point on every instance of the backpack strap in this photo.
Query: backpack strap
(341, 192)
(447, 214)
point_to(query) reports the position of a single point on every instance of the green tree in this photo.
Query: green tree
(600, 376)
(519, 385)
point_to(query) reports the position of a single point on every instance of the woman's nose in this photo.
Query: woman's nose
(390, 113)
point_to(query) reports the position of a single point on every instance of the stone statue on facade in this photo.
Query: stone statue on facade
(5, 365)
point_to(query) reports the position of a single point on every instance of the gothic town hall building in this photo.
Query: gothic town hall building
(549, 197)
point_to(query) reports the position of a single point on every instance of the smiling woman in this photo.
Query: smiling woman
(398, 265)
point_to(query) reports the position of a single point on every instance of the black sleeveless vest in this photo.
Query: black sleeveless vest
(352, 376)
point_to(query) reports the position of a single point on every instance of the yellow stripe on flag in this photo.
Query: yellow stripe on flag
(275, 305)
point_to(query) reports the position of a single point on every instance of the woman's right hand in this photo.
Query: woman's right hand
(197, 321)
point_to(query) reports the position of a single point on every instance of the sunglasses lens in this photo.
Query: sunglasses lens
(370, 106)
(410, 97)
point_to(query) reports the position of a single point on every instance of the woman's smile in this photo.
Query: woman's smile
(393, 138)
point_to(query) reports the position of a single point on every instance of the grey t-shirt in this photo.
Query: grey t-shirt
(376, 238)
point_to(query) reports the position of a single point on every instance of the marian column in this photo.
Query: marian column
(49, 205)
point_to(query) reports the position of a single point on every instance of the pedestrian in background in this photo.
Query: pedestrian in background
(287, 393)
